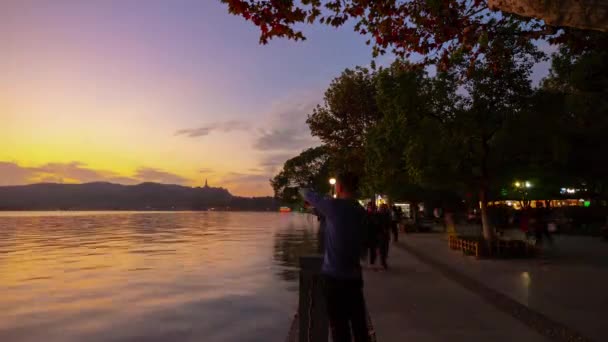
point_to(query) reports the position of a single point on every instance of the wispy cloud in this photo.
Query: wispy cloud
(227, 126)
(286, 139)
(13, 174)
(271, 163)
(282, 133)
(159, 176)
(239, 177)
(76, 172)
(287, 129)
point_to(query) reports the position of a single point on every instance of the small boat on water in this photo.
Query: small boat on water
(285, 209)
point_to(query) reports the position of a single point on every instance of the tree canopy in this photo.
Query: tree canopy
(348, 111)
(474, 124)
(309, 169)
(436, 30)
(577, 88)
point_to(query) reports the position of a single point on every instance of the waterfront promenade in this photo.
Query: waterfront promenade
(414, 302)
(432, 293)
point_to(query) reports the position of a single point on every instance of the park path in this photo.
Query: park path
(414, 302)
(567, 287)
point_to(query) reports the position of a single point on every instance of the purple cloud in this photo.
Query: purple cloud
(73, 171)
(288, 130)
(288, 139)
(154, 175)
(227, 126)
(238, 177)
(15, 174)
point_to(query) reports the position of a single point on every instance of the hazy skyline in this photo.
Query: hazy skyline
(167, 91)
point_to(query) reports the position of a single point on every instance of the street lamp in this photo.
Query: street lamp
(332, 182)
(525, 184)
(522, 188)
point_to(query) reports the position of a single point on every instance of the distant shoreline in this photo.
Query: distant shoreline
(133, 210)
(117, 197)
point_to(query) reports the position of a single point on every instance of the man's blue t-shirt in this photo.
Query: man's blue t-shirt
(345, 233)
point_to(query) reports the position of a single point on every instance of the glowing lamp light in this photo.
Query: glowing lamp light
(517, 184)
(528, 184)
(332, 181)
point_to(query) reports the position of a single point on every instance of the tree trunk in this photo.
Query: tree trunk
(488, 232)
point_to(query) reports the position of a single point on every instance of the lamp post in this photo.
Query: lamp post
(332, 182)
(523, 187)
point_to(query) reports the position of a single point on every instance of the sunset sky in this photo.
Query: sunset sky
(171, 91)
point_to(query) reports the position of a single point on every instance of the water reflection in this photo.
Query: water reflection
(292, 242)
(150, 276)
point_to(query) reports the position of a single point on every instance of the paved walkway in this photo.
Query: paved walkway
(414, 302)
(569, 286)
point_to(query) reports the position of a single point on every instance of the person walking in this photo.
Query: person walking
(541, 227)
(341, 270)
(524, 222)
(384, 233)
(372, 233)
(395, 221)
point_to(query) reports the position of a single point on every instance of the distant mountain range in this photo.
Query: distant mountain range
(109, 196)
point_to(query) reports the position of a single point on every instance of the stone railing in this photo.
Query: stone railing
(310, 323)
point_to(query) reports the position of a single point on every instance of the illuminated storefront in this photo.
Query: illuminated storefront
(555, 203)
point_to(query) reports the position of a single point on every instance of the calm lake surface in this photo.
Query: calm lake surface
(173, 276)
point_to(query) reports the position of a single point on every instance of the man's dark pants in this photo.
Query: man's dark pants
(395, 231)
(384, 243)
(346, 309)
(372, 246)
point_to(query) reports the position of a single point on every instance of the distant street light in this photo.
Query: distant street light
(528, 185)
(517, 184)
(332, 181)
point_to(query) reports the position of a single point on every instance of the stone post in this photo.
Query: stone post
(312, 312)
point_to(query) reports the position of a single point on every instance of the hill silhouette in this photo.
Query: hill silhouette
(109, 196)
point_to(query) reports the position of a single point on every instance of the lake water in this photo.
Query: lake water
(177, 276)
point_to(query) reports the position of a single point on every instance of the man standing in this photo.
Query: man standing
(344, 243)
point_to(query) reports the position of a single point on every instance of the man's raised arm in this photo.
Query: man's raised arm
(318, 201)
